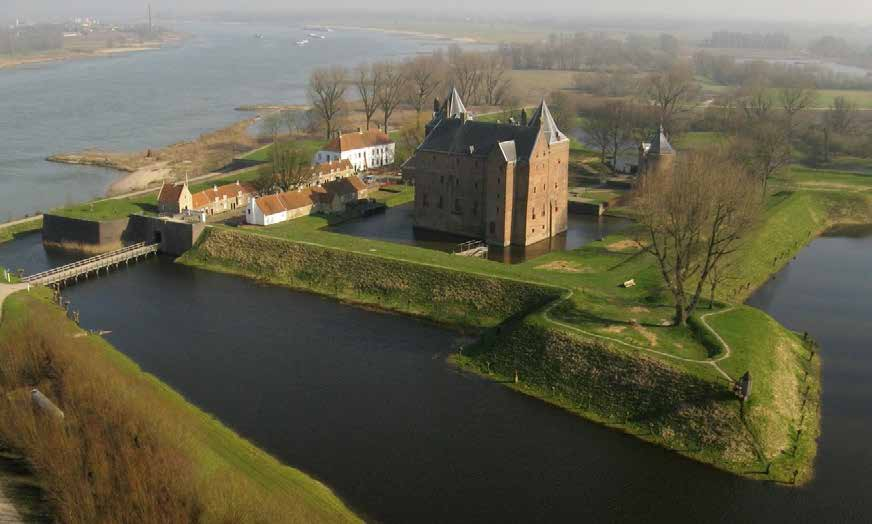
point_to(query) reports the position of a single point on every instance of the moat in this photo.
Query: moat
(366, 402)
(396, 225)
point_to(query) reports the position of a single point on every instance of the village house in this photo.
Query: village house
(176, 199)
(327, 172)
(364, 149)
(173, 199)
(332, 197)
(506, 184)
(656, 156)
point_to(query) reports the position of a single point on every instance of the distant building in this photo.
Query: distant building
(330, 171)
(657, 155)
(332, 197)
(504, 183)
(364, 149)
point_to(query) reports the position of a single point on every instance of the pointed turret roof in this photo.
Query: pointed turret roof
(659, 144)
(542, 118)
(453, 106)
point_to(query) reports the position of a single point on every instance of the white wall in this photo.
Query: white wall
(361, 159)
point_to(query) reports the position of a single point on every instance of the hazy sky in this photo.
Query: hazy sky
(856, 11)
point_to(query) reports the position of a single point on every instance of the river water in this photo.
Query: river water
(365, 401)
(154, 98)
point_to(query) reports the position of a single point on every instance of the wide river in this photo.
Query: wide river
(366, 402)
(155, 98)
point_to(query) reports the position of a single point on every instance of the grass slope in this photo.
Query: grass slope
(233, 478)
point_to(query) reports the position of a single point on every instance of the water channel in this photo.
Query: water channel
(366, 402)
(396, 225)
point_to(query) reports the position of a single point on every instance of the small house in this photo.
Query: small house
(173, 199)
(363, 149)
(221, 199)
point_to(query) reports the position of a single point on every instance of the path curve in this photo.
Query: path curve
(708, 362)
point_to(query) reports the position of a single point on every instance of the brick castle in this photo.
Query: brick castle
(506, 184)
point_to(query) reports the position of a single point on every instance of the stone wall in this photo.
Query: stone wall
(94, 237)
(88, 236)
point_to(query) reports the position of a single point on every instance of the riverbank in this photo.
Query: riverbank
(209, 152)
(92, 50)
(10, 230)
(172, 459)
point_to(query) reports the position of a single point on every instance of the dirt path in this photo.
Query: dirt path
(707, 362)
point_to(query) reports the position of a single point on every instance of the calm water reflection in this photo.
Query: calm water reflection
(365, 402)
(396, 225)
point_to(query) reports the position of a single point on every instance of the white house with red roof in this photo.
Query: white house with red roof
(364, 149)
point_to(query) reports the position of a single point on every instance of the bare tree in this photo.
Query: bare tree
(466, 74)
(425, 74)
(764, 149)
(495, 83)
(672, 93)
(795, 99)
(757, 103)
(271, 125)
(368, 81)
(692, 217)
(841, 116)
(392, 86)
(598, 129)
(327, 94)
(290, 169)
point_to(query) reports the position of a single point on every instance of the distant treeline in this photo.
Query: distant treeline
(733, 40)
(727, 70)
(31, 38)
(839, 49)
(586, 52)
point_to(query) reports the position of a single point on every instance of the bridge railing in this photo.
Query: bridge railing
(98, 261)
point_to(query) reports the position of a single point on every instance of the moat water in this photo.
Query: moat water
(365, 401)
(396, 225)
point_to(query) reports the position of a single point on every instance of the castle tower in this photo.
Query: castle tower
(657, 156)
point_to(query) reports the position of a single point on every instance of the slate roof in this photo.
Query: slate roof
(456, 136)
(542, 117)
(659, 144)
(358, 140)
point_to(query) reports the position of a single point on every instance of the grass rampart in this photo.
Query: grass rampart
(661, 402)
(129, 448)
(453, 297)
(9, 232)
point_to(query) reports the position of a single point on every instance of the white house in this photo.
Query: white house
(364, 149)
(332, 197)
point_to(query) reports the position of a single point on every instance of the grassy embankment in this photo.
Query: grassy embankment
(129, 446)
(9, 232)
(603, 351)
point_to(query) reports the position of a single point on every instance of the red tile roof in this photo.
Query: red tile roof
(358, 140)
(337, 166)
(290, 200)
(204, 198)
(170, 193)
(345, 186)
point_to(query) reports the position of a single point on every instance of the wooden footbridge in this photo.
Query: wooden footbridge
(83, 268)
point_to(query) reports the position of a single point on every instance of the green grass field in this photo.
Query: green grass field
(111, 209)
(306, 147)
(825, 97)
(7, 233)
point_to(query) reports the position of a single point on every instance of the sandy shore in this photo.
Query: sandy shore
(141, 179)
(7, 62)
(415, 34)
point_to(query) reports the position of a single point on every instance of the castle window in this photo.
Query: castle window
(441, 204)
(493, 227)
(475, 208)
(441, 179)
(457, 207)
(425, 201)
(534, 214)
(475, 185)
(457, 181)
(534, 190)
